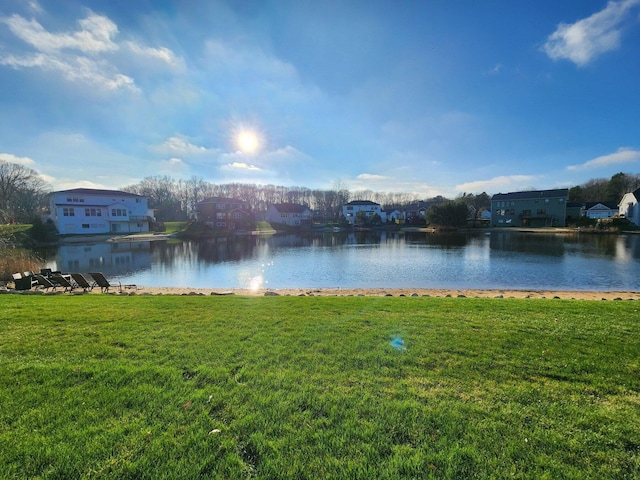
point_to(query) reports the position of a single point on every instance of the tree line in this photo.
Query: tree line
(23, 195)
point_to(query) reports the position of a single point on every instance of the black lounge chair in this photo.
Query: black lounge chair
(103, 283)
(44, 282)
(24, 282)
(83, 282)
(60, 280)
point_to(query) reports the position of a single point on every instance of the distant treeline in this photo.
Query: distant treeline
(23, 195)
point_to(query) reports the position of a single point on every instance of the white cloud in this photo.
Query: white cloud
(52, 52)
(179, 145)
(10, 158)
(94, 36)
(34, 6)
(585, 39)
(623, 155)
(174, 166)
(243, 166)
(75, 69)
(162, 54)
(503, 183)
(370, 177)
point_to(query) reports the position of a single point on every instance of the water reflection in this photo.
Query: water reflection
(501, 259)
(110, 258)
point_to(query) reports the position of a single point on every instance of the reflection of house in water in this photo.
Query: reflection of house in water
(536, 244)
(114, 258)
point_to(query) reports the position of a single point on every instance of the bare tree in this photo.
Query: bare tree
(22, 193)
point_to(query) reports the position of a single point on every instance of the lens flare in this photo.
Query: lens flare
(397, 343)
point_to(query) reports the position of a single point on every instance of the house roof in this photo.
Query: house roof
(532, 194)
(95, 191)
(290, 207)
(609, 205)
(362, 202)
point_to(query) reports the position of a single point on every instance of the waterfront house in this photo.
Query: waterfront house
(535, 208)
(393, 215)
(94, 211)
(351, 209)
(629, 208)
(223, 213)
(290, 214)
(601, 209)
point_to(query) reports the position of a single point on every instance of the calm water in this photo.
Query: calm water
(385, 260)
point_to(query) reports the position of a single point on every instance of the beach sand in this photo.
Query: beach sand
(381, 292)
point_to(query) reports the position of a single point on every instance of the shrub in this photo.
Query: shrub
(13, 260)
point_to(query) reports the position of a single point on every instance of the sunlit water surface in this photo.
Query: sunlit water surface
(496, 260)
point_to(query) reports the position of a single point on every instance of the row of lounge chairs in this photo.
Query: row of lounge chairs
(51, 281)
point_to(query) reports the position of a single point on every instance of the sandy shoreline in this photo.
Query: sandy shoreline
(381, 292)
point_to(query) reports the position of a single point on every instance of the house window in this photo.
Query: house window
(526, 213)
(85, 225)
(68, 212)
(542, 211)
(221, 215)
(92, 212)
(118, 212)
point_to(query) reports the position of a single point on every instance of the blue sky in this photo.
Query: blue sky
(426, 97)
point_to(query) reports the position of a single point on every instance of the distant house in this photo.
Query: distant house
(393, 215)
(351, 209)
(417, 212)
(601, 209)
(536, 208)
(629, 208)
(575, 211)
(289, 214)
(225, 213)
(93, 211)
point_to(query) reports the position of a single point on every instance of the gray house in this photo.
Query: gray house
(536, 208)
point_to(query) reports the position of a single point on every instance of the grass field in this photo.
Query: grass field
(153, 387)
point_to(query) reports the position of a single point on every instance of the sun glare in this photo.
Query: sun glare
(247, 141)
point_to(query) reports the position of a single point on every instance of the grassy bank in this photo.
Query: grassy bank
(318, 387)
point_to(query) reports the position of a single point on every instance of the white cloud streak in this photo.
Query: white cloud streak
(503, 183)
(623, 155)
(94, 36)
(80, 56)
(10, 158)
(586, 39)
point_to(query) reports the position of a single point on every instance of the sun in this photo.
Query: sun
(247, 141)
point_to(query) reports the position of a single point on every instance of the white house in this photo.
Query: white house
(86, 210)
(601, 209)
(351, 209)
(290, 214)
(629, 208)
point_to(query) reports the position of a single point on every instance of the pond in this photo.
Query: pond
(491, 260)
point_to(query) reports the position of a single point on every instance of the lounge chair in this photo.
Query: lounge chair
(103, 283)
(82, 281)
(24, 282)
(44, 282)
(61, 281)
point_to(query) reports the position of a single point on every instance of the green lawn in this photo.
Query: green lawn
(152, 387)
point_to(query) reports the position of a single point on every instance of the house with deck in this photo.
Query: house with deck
(95, 211)
(629, 208)
(350, 210)
(223, 213)
(534, 208)
(290, 214)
